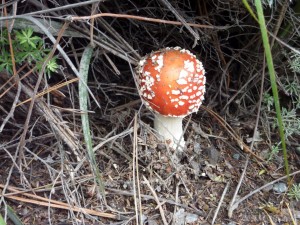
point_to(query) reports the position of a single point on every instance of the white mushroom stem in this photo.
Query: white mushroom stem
(170, 128)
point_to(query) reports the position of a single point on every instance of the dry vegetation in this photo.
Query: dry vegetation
(46, 176)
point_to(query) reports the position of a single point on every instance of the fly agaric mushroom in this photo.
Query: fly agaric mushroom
(172, 84)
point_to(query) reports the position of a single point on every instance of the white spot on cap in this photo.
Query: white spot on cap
(157, 77)
(189, 66)
(198, 93)
(175, 92)
(196, 80)
(185, 89)
(183, 74)
(142, 62)
(199, 66)
(184, 97)
(181, 103)
(185, 51)
(181, 81)
(160, 62)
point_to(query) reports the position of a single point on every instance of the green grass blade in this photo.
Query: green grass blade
(13, 216)
(2, 222)
(83, 100)
(271, 69)
(248, 7)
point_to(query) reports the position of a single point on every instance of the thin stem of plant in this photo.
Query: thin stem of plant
(271, 69)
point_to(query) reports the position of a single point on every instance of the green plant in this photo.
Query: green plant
(294, 62)
(291, 121)
(27, 40)
(5, 62)
(291, 87)
(294, 192)
(27, 48)
(274, 151)
(290, 117)
(268, 101)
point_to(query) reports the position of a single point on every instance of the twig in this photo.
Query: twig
(30, 198)
(49, 90)
(279, 21)
(12, 109)
(135, 176)
(220, 203)
(58, 125)
(94, 7)
(15, 75)
(182, 20)
(14, 12)
(53, 27)
(291, 215)
(236, 204)
(162, 214)
(176, 200)
(60, 49)
(142, 18)
(122, 134)
(26, 124)
(4, 5)
(67, 6)
(231, 207)
(13, 159)
(233, 134)
(122, 42)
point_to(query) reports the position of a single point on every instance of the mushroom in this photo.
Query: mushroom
(171, 84)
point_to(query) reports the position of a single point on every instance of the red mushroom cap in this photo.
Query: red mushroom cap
(171, 82)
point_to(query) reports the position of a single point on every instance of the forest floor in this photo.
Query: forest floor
(232, 169)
